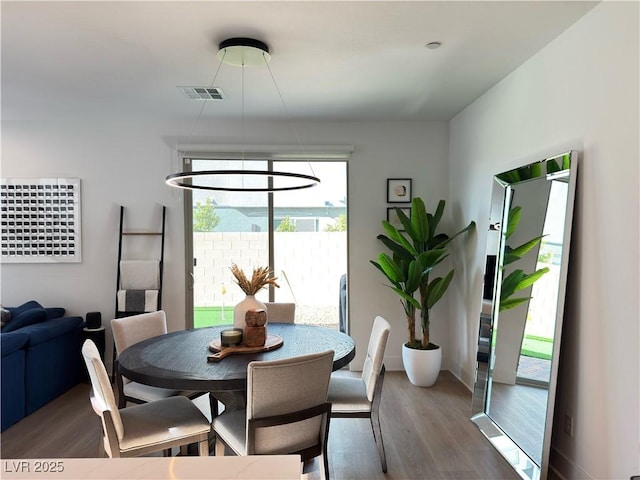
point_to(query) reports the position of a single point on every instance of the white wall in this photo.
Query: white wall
(124, 161)
(580, 92)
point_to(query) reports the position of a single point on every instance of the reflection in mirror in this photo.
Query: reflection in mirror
(521, 317)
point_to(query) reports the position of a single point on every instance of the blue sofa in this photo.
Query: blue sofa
(41, 359)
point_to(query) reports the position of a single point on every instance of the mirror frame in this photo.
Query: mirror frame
(503, 184)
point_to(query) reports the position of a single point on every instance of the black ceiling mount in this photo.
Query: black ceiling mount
(243, 42)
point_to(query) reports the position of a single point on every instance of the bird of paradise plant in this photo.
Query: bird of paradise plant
(415, 252)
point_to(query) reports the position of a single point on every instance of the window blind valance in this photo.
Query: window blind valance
(281, 153)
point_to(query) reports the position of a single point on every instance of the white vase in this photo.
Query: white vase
(422, 366)
(240, 310)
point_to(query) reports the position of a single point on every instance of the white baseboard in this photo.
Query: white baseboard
(393, 363)
(564, 468)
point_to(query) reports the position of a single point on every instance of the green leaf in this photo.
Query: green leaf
(512, 302)
(419, 221)
(379, 267)
(521, 250)
(512, 176)
(406, 297)
(527, 172)
(436, 218)
(414, 276)
(552, 166)
(514, 219)
(437, 288)
(404, 220)
(395, 235)
(471, 226)
(404, 250)
(391, 269)
(431, 258)
(438, 241)
(509, 257)
(510, 283)
(441, 240)
(536, 170)
(566, 161)
(531, 278)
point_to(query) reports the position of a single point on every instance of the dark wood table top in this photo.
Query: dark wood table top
(178, 360)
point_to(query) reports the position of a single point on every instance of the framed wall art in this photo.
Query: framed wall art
(40, 220)
(392, 216)
(398, 190)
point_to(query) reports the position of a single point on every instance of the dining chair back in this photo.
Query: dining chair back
(128, 331)
(375, 355)
(281, 312)
(135, 328)
(287, 410)
(359, 397)
(142, 429)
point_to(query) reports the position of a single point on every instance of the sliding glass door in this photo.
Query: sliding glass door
(301, 235)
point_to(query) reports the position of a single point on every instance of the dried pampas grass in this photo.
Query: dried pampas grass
(261, 277)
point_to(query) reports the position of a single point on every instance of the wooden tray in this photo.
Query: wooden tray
(271, 343)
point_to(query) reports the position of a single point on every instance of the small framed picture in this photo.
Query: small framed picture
(398, 190)
(392, 216)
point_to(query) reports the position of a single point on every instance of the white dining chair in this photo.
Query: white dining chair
(147, 428)
(359, 397)
(130, 330)
(287, 410)
(281, 312)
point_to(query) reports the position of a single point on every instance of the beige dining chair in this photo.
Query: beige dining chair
(287, 410)
(281, 312)
(128, 331)
(359, 397)
(146, 428)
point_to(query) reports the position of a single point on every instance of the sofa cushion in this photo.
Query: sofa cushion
(24, 307)
(56, 327)
(25, 318)
(55, 312)
(15, 311)
(10, 342)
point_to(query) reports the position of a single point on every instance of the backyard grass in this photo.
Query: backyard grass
(537, 347)
(212, 316)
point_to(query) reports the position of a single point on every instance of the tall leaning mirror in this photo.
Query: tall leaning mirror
(523, 303)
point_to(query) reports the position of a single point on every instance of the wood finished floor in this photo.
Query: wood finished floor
(427, 434)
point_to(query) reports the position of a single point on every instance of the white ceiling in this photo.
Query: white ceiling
(345, 60)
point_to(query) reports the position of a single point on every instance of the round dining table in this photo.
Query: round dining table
(178, 360)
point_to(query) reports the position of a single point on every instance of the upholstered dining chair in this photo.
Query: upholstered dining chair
(359, 397)
(146, 428)
(281, 312)
(133, 329)
(287, 410)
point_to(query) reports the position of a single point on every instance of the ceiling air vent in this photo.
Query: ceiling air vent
(203, 93)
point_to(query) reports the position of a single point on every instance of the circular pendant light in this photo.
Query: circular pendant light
(243, 52)
(277, 181)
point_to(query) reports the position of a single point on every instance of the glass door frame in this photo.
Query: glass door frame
(333, 153)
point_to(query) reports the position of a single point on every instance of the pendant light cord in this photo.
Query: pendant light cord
(185, 179)
(289, 117)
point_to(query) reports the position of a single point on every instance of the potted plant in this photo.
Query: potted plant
(415, 252)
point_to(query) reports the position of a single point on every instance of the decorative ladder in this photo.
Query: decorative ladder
(123, 293)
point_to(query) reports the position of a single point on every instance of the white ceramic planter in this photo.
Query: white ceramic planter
(240, 310)
(422, 366)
